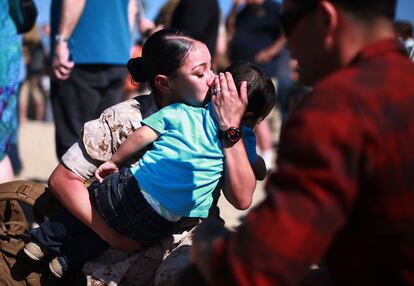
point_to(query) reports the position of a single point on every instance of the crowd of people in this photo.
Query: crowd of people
(341, 196)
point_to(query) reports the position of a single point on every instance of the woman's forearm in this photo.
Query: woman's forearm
(229, 106)
(239, 179)
(74, 196)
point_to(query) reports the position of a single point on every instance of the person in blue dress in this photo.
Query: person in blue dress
(10, 65)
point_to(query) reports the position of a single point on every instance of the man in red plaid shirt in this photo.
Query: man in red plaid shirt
(344, 188)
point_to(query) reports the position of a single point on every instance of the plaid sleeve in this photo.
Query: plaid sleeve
(307, 200)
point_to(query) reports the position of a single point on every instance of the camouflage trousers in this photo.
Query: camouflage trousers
(157, 265)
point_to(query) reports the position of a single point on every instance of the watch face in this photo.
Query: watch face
(232, 134)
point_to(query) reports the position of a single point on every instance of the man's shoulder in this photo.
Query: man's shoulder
(369, 75)
(364, 84)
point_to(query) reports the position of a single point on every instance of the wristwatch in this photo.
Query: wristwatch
(231, 135)
(60, 39)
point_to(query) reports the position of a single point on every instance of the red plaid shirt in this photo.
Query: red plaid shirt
(344, 189)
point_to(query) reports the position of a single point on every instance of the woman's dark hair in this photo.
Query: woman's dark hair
(261, 92)
(163, 53)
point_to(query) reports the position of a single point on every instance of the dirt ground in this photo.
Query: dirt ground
(37, 151)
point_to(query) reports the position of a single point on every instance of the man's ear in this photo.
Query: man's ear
(162, 83)
(329, 20)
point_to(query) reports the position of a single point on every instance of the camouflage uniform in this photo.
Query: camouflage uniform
(100, 139)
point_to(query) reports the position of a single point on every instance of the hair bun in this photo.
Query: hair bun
(136, 69)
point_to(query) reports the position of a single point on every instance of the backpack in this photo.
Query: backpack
(15, 268)
(23, 13)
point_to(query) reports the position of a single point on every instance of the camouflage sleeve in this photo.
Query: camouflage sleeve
(102, 136)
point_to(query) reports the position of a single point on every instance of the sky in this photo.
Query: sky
(405, 9)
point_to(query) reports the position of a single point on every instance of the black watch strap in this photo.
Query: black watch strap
(231, 135)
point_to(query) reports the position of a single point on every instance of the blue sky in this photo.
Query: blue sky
(405, 9)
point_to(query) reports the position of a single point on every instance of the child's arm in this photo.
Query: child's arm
(256, 162)
(135, 142)
(259, 169)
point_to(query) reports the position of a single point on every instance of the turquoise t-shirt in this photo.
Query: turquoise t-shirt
(185, 164)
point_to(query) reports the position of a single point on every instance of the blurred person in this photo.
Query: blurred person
(10, 68)
(32, 94)
(201, 18)
(343, 190)
(221, 60)
(91, 42)
(164, 17)
(255, 35)
(13, 151)
(404, 31)
(161, 21)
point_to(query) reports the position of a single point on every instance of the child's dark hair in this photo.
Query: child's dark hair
(261, 92)
(403, 29)
(163, 53)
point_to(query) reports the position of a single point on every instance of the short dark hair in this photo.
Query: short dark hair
(261, 92)
(163, 53)
(403, 29)
(363, 9)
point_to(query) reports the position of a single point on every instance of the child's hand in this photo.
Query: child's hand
(105, 169)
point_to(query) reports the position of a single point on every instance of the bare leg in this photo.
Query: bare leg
(6, 170)
(73, 194)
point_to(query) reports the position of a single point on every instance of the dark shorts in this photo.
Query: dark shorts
(119, 201)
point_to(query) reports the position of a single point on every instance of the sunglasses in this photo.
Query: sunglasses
(289, 18)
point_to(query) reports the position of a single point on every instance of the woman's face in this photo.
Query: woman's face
(191, 82)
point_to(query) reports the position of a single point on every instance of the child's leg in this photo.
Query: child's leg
(80, 248)
(52, 234)
(68, 238)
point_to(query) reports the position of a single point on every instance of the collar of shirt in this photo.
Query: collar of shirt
(377, 48)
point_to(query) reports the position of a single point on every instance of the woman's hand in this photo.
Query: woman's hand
(229, 104)
(105, 169)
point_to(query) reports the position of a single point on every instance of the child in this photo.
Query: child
(174, 179)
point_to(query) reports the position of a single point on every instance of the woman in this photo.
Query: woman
(176, 66)
(10, 63)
